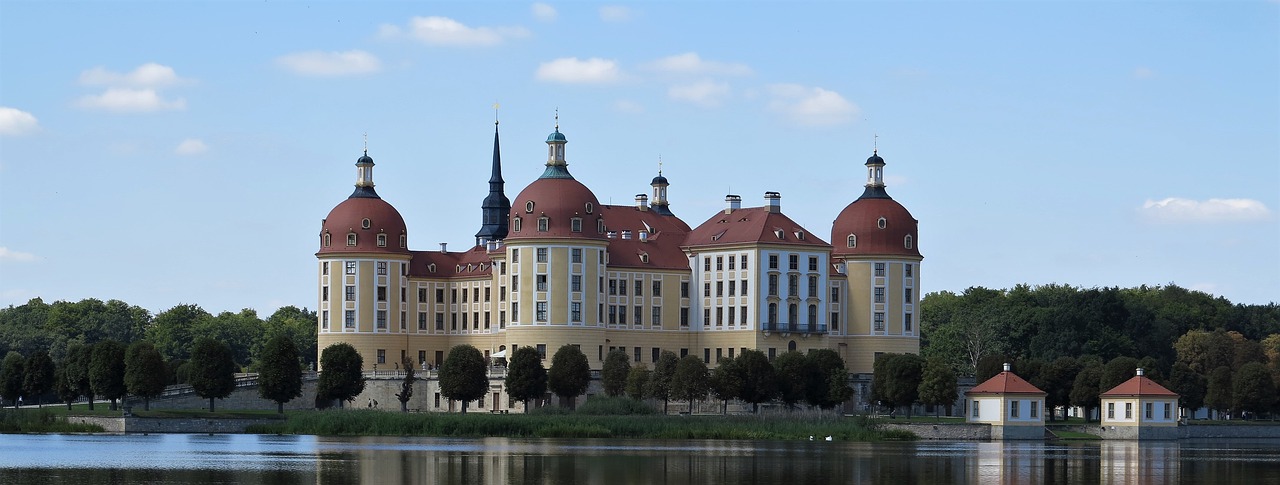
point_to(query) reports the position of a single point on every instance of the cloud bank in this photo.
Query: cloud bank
(1175, 210)
(571, 70)
(436, 30)
(327, 64)
(16, 122)
(812, 106)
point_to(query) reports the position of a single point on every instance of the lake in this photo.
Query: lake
(272, 459)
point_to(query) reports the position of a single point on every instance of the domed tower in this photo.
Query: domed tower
(556, 255)
(363, 262)
(876, 248)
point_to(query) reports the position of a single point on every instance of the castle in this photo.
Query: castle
(554, 266)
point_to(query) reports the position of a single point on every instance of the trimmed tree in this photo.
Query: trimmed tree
(144, 374)
(637, 381)
(462, 375)
(67, 391)
(38, 379)
(280, 371)
(526, 378)
(1252, 389)
(1084, 391)
(759, 380)
(828, 384)
(937, 384)
(726, 382)
(1058, 376)
(341, 374)
(613, 376)
(793, 376)
(406, 385)
(106, 371)
(659, 385)
(1218, 396)
(11, 373)
(1189, 384)
(904, 373)
(76, 364)
(1116, 372)
(691, 380)
(570, 374)
(213, 370)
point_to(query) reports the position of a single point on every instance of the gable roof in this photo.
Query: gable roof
(658, 249)
(1005, 383)
(1139, 386)
(754, 225)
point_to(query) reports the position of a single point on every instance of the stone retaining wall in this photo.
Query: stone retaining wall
(169, 425)
(1193, 431)
(950, 432)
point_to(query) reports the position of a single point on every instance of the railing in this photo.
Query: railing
(242, 380)
(819, 328)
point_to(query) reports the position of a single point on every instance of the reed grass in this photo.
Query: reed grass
(41, 421)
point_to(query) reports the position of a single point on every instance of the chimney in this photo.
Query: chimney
(444, 247)
(1007, 366)
(644, 236)
(732, 203)
(642, 202)
(626, 234)
(774, 200)
(1139, 372)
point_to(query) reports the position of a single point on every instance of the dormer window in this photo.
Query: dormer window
(528, 206)
(327, 240)
(800, 235)
(852, 241)
(543, 224)
(780, 233)
(644, 257)
(907, 242)
(600, 226)
(431, 268)
(382, 240)
(351, 239)
(575, 224)
(881, 223)
(404, 240)
(365, 223)
(515, 224)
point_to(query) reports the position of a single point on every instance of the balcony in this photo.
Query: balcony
(789, 328)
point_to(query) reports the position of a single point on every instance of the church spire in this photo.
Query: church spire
(496, 206)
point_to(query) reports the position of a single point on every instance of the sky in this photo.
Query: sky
(163, 153)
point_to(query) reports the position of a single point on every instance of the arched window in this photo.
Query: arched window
(351, 239)
(906, 242)
(791, 346)
(404, 240)
(793, 313)
(515, 224)
(327, 240)
(773, 313)
(382, 240)
(852, 241)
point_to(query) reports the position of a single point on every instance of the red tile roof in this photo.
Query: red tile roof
(1005, 383)
(473, 262)
(752, 225)
(861, 218)
(661, 246)
(1139, 386)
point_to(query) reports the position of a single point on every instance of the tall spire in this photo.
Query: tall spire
(496, 206)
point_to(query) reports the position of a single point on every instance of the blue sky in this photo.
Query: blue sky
(166, 153)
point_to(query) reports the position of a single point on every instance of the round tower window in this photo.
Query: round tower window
(881, 223)
(528, 206)
(365, 223)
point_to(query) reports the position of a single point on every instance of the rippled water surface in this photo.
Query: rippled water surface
(75, 459)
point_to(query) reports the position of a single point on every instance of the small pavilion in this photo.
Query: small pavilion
(1012, 406)
(1140, 409)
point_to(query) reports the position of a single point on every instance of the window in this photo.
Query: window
(1013, 409)
(326, 268)
(464, 295)
(382, 319)
(684, 289)
(382, 293)
(733, 288)
(541, 255)
(515, 255)
(878, 322)
(773, 313)
(907, 296)
(907, 270)
(404, 241)
(706, 289)
(486, 320)
(773, 261)
(742, 314)
(852, 241)
(541, 313)
(515, 313)
(793, 262)
(706, 317)
(744, 287)
(1111, 410)
(906, 323)
(422, 321)
(813, 286)
(1168, 410)
(684, 317)
(351, 293)
(1035, 409)
(575, 311)
(453, 322)
(422, 295)
(835, 294)
(706, 355)
(542, 351)
(719, 288)
(656, 354)
(613, 314)
(879, 294)
(793, 313)
(731, 263)
(349, 318)
(622, 287)
(657, 316)
(502, 319)
(719, 316)
(639, 313)
(575, 283)
(813, 263)
(773, 285)
(879, 269)
(974, 413)
(881, 223)
(439, 295)
(637, 286)
(382, 240)
(622, 314)
(543, 224)
(793, 284)
(719, 263)
(382, 353)
(743, 260)
(1148, 411)
(575, 224)
(324, 293)
(542, 282)
(351, 267)
(906, 242)
(328, 239)
(731, 318)
(657, 288)
(487, 294)
(440, 321)
(324, 319)
(613, 287)
(453, 295)
(1128, 410)
(351, 239)
(575, 255)
(835, 321)
(706, 263)
(813, 316)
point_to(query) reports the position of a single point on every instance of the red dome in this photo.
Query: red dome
(350, 217)
(896, 236)
(560, 200)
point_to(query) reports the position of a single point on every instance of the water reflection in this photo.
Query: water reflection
(309, 459)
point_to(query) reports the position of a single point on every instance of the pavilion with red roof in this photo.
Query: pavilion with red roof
(1012, 406)
(1139, 408)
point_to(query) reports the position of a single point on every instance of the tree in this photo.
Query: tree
(570, 374)
(11, 374)
(144, 372)
(341, 374)
(526, 378)
(659, 384)
(1271, 349)
(937, 384)
(1218, 394)
(691, 380)
(793, 376)
(1190, 386)
(171, 331)
(1252, 389)
(1084, 391)
(106, 371)
(1118, 371)
(828, 383)
(726, 382)
(299, 324)
(213, 370)
(280, 371)
(67, 390)
(896, 379)
(77, 362)
(462, 375)
(758, 377)
(1057, 378)
(613, 375)
(406, 386)
(989, 366)
(38, 379)
(637, 380)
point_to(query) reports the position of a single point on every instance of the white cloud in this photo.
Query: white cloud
(16, 122)
(810, 105)
(1142, 72)
(544, 12)
(706, 93)
(147, 75)
(615, 13)
(628, 106)
(572, 70)
(692, 63)
(191, 146)
(9, 255)
(319, 63)
(125, 100)
(446, 31)
(1179, 210)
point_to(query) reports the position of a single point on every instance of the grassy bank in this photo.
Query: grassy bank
(381, 423)
(40, 421)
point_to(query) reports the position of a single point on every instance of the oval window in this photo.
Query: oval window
(881, 223)
(528, 206)
(365, 223)
(590, 207)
